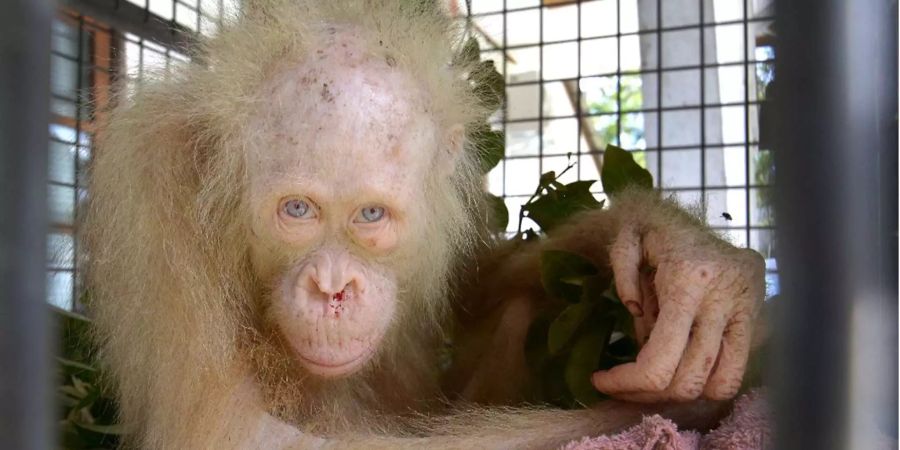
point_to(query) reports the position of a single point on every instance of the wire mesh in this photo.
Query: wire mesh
(680, 82)
(89, 58)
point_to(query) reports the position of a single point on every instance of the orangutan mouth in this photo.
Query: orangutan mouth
(335, 369)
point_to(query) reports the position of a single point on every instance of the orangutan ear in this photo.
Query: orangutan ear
(454, 143)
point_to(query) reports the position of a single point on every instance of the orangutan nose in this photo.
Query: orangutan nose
(332, 276)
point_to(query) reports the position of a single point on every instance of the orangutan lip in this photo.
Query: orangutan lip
(329, 369)
(334, 365)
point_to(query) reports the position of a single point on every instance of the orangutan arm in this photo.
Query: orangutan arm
(496, 428)
(702, 296)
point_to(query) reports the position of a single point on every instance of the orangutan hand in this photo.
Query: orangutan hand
(697, 298)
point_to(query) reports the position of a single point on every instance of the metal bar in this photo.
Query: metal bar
(131, 18)
(659, 93)
(836, 154)
(505, 106)
(646, 71)
(747, 79)
(578, 110)
(537, 5)
(644, 110)
(618, 75)
(541, 89)
(25, 344)
(79, 105)
(649, 149)
(703, 104)
(627, 34)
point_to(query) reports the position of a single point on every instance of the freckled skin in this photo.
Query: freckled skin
(362, 149)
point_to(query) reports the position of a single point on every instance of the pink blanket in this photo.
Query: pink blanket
(746, 428)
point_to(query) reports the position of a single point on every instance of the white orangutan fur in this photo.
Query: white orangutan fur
(183, 269)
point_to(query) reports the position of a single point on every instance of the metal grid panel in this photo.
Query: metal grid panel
(87, 59)
(665, 79)
(623, 68)
(204, 16)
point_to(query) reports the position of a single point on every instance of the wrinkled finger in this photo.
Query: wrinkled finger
(625, 256)
(657, 361)
(702, 350)
(726, 378)
(643, 325)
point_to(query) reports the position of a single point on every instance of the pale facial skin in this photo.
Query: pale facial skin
(331, 195)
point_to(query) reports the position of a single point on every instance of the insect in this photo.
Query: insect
(726, 216)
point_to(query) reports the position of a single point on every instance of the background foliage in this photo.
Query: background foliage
(86, 407)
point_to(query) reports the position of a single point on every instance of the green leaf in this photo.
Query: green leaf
(491, 146)
(547, 179)
(553, 384)
(73, 392)
(611, 293)
(585, 360)
(74, 367)
(68, 368)
(116, 429)
(595, 287)
(555, 207)
(623, 350)
(619, 171)
(499, 215)
(94, 393)
(574, 281)
(557, 265)
(69, 437)
(70, 322)
(566, 324)
(74, 331)
(96, 436)
(624, 320)
(536, 354)
(490, 87)
(613, 306)
(470, 53)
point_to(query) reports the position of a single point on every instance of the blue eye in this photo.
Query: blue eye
(370, 214)
(296, 208)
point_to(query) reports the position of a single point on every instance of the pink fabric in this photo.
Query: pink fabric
(747, 428)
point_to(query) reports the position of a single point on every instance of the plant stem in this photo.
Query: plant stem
(537, 192)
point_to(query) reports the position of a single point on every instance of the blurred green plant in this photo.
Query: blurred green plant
(490, 87)
(87, 410)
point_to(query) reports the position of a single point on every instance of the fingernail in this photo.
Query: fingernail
(634, 308)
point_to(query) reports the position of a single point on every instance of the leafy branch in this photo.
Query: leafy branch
(589, 329)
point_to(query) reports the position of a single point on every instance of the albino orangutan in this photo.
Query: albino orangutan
(282, 239)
